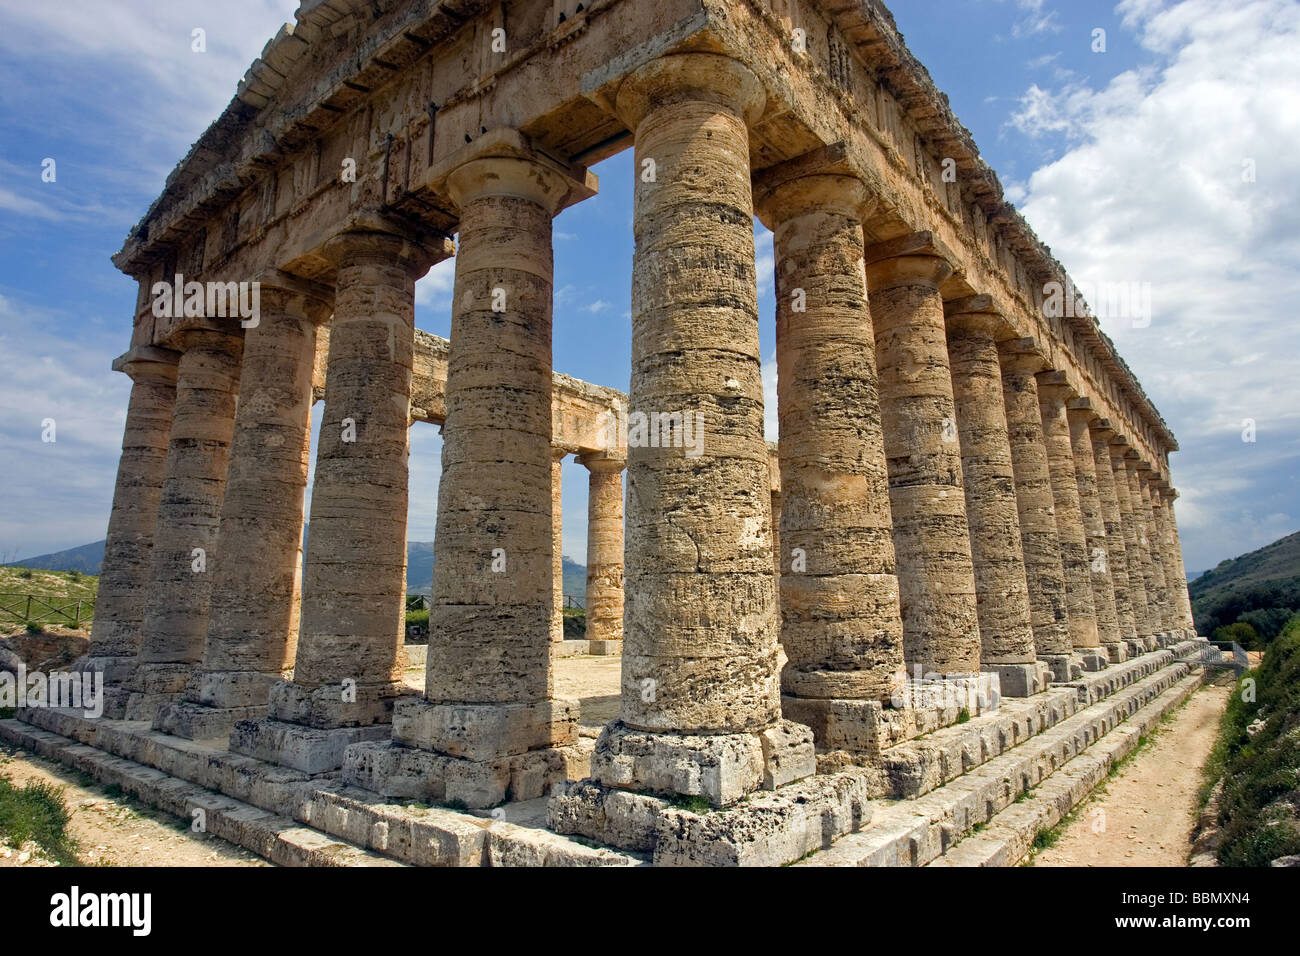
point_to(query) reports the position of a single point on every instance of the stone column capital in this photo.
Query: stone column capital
(1021, 356)
(288, 293)
(1102, 429)
(1053, 387)
(602, 461)
(683, 77)
(977, 315)
(820, 192)
(386, 247)
(917, 259)
(204, 337)
(148, 365)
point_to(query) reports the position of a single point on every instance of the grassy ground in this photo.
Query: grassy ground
(39, 813)
(1258, 758)
(58, 587)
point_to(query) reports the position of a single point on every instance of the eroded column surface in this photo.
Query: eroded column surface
(1084, 637)
(840, 621)
(346, 665)
(1137, 587)
(604, 553)
(936, 577)
(1001, 588)
(557, 544)
(489, 727)
(128, 549)
(1094, 529)
(1163, 609)
(256, 568)
(1140, 511)
(1178, 573)
(189, 511)
(1036, 508)
(699, 682)
(1100, 435)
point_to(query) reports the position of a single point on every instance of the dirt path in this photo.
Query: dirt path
(1144, 815)
(112, 830)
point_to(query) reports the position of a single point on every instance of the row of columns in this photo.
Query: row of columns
(942, 509)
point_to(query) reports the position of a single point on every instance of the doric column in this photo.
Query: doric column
(1080, 414)
(489, 725)
(189, 510)
(840, 622)
(1100, 434)
(604, 553)
(1164, 603)
(1053, 393)
(1041, 544)
(1001, 588)
(256, 569)
(700, 682)
(936, 577)
(128, 549)
(557, 544)
(1178, 573)
(346, 666)
(1137, 587)
(1141, 520)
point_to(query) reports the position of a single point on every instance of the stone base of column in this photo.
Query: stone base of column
(771, 828)
(1094, 658)
(308, 728)
(1021, 680)
(1118, 653)
(854, 732)
(153, 685)
(214, 702)
(399, 772)
(477, 754)
(1064, 667)
(603, 648)
(116, 670)
(719, 768)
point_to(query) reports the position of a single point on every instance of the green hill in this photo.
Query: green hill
(1261, 589)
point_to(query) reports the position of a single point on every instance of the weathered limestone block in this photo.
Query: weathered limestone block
(1134, 555)
(1094, 529)
(936, 577)
(840, 622)
(1052, 396)
(604, 553)
(1036, 506)
(253, 622)
(1006, 624)
(1100, 434)
(128, 550)
(185, 538)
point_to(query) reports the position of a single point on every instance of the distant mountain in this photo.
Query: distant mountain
(419, 571)
(85, 559)
(1261, 588)
(419, 566)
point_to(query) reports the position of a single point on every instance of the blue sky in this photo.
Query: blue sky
(1128, 163)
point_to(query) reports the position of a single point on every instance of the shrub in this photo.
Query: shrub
(1241, 632)
(37, 812)
(1260, 809)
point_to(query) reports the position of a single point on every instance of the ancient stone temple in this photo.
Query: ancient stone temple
(978, 573)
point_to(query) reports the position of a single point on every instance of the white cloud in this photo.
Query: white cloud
(1149, 187)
